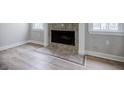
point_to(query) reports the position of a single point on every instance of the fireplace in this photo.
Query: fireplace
(63, 37)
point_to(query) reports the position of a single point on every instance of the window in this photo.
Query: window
(106, 28)
(37, 26)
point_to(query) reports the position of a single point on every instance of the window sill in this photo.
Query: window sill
(107, 33)
(37, 30)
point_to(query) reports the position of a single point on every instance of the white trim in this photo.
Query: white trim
(46, 35)
(36, 42)
(81, 50)
(106, 56)
(12, 45)
(107, 33)
(37, 30)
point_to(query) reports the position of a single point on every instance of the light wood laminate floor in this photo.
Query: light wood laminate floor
(26, 58)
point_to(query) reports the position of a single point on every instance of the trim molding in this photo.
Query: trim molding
(36, 42)
(18, 44)
(106, 56)
(81, 37)
(12, 45)
(107, 33)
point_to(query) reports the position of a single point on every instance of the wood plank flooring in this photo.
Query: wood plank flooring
(26, 58)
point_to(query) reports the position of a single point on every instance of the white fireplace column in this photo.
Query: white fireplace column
(81, 50)
(46, 35)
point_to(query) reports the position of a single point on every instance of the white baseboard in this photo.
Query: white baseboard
(13, 45)
(18, 44)
(106, 56)
(36, 42)
(80, 52)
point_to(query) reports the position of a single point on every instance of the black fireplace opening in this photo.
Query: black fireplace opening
(64, 37)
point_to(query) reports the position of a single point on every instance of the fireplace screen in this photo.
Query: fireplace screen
(64, 37)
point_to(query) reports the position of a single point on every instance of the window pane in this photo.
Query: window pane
(37, 26)
(113, 26)
(103, 26)
(96, 26)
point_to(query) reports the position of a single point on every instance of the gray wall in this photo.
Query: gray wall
(36, 35)
(98, 43)
(11, 33)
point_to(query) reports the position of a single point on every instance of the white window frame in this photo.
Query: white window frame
(106, 32)
(37, 29)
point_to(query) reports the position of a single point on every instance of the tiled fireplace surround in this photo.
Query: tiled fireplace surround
(65, 27)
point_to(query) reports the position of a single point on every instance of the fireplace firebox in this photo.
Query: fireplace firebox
(64, 37)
